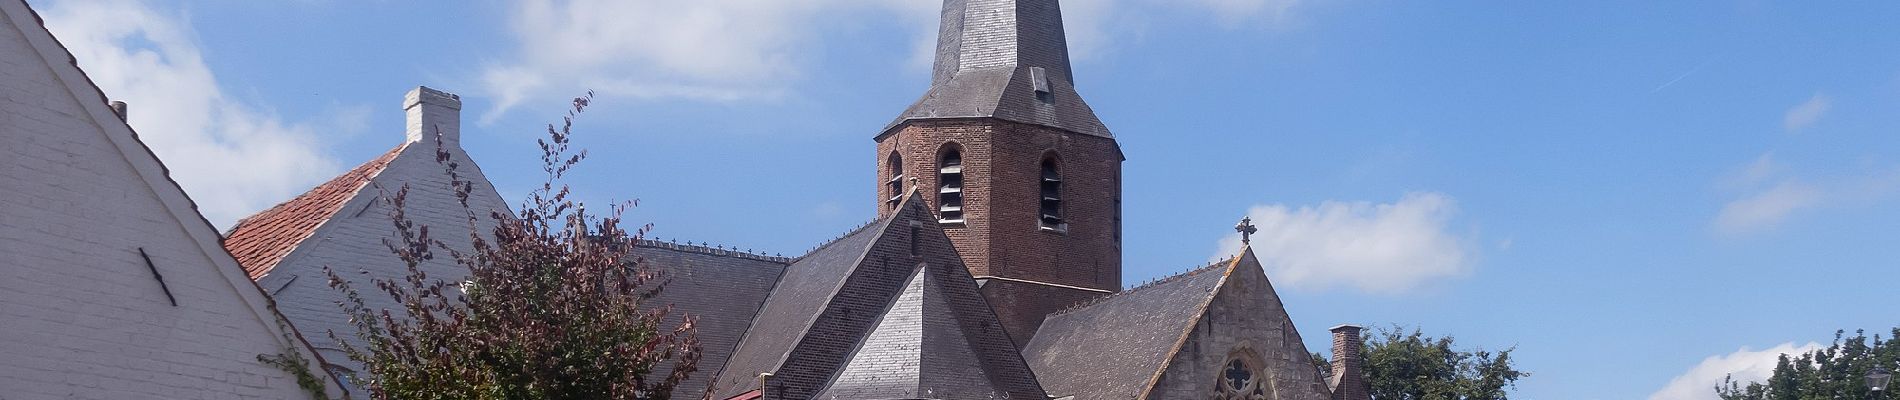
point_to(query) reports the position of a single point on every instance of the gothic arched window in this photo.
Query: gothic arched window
(950, 185)
(1051, 210)
(895, 185)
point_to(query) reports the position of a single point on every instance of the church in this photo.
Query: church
(993, 269)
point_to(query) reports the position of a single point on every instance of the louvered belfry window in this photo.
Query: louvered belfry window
(895, 184)
(950, 186)
(1051, 195)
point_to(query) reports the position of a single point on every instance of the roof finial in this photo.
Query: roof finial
(1246, 229)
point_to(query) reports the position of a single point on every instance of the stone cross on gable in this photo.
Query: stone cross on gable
(1246, 229)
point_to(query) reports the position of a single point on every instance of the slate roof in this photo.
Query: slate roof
(985, 52)
(928, 344)
(262, 240)
(1115, 346)
(722, 289)
(789, 312)
(888, 311)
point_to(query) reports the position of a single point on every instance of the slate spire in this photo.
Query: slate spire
(979, 34)
(1004, 59)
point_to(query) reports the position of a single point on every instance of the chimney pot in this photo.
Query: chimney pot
(431, 112)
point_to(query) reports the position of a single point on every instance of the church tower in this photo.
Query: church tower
(1023, 176)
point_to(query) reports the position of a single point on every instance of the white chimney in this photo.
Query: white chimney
(433, 111)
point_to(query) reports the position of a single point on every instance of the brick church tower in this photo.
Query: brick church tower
(1024, 177)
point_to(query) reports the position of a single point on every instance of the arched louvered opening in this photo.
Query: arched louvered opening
(950, 185)
(1051, 210)
(895, 183)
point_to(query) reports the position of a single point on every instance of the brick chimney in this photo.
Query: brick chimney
(1349, 373)
(431, 111)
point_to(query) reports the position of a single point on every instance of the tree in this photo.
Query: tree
(552, 309)
(1838, 371)
(1409, 366)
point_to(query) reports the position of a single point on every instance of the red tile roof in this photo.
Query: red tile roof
(262, 240)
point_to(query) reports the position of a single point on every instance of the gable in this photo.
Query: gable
(902, 302)
(1244, 335)
(937, 340)
(350, 239)
(111, 273)
(788, 313)
(1113, 347)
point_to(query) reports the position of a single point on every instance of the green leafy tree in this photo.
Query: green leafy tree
(552, 309)
(1838, 371)
(1413, 366)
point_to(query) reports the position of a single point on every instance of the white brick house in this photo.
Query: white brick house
(112, 286)
(342, 224)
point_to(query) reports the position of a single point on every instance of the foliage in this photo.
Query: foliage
(1838, 371)
(552, 309)
(291, 360)
(1413, 366)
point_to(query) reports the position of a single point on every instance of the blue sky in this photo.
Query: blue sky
(1639, 196)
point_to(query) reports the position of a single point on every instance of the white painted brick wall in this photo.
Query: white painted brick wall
(353, 241)
(81, 316)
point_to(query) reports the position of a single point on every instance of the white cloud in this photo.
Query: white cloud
(727, 50)
(717, 50)
(1744, 365)
(1373, 247)
(232, 158)
(1807, 113)
(1767, 208)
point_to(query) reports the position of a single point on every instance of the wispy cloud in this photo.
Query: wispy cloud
(736, 50)
(1744, 365)
(1807, 113)
(1385, 248)
(1766, 209)
(715, 50)
(233, 158)
(1769, 195)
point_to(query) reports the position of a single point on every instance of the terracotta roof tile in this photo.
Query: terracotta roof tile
(262, 240)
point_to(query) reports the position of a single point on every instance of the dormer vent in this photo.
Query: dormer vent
(1040, 77)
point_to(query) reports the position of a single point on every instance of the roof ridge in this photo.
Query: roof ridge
(262, 240)
(1225, 262)
(241, 221)
(715, 250)
(834, 240)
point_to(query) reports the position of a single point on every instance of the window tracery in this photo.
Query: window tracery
(1240, 378)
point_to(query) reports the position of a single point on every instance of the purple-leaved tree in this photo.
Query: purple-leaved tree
(553, 308)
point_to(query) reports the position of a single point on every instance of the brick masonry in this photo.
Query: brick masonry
(81, 315)
(869, 292)
(1349, 374)
(1001, 235)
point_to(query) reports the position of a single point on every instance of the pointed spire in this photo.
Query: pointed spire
(1004, 59)
(980, 34)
